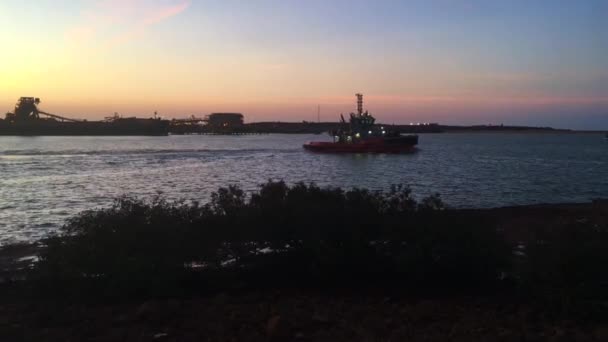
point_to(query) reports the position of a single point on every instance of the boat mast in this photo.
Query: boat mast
(359, 104)
(319, 114)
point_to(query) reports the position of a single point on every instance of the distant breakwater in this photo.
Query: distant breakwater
(324, 127)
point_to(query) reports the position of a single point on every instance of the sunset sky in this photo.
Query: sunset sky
(531, 62)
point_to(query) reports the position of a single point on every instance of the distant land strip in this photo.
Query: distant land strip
(323, 127)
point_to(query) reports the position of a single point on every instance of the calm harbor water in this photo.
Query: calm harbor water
(45, 180)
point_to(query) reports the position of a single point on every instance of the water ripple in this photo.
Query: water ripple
(47, 179)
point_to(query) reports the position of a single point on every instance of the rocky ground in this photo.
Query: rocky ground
(290, 316)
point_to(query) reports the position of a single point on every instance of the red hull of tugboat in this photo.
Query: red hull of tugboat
(380, 145)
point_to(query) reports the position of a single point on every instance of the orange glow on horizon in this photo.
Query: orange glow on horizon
(181, 57)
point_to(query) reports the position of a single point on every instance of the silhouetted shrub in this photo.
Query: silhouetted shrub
(569, 261)
(298, 235)
(133, 244)
(448, 250)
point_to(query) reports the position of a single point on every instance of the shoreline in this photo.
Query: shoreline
(531, 131)
(270, 127)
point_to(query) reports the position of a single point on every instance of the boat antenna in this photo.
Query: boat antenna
(319, 114)
(359, 104)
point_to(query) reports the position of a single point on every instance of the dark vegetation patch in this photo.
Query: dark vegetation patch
(300, 235)
(307, 237)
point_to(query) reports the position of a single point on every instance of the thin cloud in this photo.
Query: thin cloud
(111, 22)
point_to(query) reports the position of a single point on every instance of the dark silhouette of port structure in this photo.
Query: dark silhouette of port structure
(28, 119)
(215, 123)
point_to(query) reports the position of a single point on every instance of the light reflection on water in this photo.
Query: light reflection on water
(45, 180)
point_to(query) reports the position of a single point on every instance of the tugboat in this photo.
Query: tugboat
(363, 136)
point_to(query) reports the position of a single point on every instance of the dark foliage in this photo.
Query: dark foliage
(565, 268)
(300, 235)
(307, 236)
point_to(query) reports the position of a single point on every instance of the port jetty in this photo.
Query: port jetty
(301, 262)
(28, 120)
